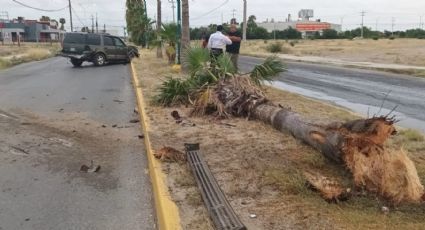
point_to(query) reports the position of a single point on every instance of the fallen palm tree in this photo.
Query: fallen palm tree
(358, 144)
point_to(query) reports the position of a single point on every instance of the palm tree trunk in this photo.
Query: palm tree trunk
(185, 24)
(357, 144)
(158, 29)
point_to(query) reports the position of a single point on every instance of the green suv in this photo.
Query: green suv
(97, 48)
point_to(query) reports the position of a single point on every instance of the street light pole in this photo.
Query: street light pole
(70, 14)
(179, 31)
(244, 20)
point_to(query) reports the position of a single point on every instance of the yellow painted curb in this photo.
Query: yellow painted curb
(166, 210)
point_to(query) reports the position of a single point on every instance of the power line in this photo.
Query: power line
(79, 19)
(211, 11)
(35, 8)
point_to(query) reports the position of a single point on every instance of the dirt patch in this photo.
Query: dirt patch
(260, 170)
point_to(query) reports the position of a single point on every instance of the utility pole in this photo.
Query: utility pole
(92, 24)
(392, 25)
(173, 7)
(244, 20)
(420, 22)
(342, 21)
(376, 25)
(70, 14)
(363, 14)
(97, 26)
(179, 32)
(234, 13)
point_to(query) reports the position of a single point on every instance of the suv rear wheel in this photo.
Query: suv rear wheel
(76, 62)
(99, 59)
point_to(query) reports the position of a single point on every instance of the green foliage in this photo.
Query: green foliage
(173, 91)
(329, 34)
(205, 73)
(271, 67)
(275, 47)
(139, 25)
(169, 33)
(224, 66)
(196, 60)
(289, 33)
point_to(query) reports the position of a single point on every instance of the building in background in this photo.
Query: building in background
(29, 30)
(303, 24)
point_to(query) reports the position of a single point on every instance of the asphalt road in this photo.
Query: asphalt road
(55, 118)
(359, 90)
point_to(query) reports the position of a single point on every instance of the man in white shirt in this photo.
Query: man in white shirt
(218, 42)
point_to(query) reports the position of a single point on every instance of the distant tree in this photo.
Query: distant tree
(45, 19)
(330, 34)
(139, 25)
(62, 22)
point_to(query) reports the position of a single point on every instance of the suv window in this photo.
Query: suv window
(118, 42)
(93, 39)
(74, 38)
(107, 41)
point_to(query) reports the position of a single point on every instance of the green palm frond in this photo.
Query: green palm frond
(173, 91)
(169, 33)
(225, 66)
(196, 59)
(271, 67)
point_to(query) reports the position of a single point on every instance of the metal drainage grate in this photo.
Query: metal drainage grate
(221, 213)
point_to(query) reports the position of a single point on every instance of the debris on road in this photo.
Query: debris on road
(134, 121)
(61, 141)
(118, 101)
(21, 151)
(104, 126)
(252, 216)
(136, 110)
(114, 126)
(170, 154)
(90, 169)
(83, 98)
(141, 136)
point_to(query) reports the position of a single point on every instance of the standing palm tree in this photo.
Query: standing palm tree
(158, 29)
(185, 25)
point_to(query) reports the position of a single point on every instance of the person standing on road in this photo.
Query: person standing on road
(233, 49)
(217, 42)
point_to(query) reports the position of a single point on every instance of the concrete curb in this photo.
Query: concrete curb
(167, 212)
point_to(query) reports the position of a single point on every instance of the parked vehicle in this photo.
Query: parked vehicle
(96, 48)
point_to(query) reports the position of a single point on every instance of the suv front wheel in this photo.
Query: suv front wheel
(99, 59)
(76, 62)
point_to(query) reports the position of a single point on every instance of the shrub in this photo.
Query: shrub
(375, 38)
(292, 43)
(275, 47)
(392, 38)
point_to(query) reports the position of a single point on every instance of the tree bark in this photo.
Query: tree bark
(185, 25)
(158, 29)
(357, 144)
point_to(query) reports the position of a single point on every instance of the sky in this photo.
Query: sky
(378, 13)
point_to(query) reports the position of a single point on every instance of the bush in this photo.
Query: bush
(292, 43)
(375, 38)
(392, 38)
(275, 47)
